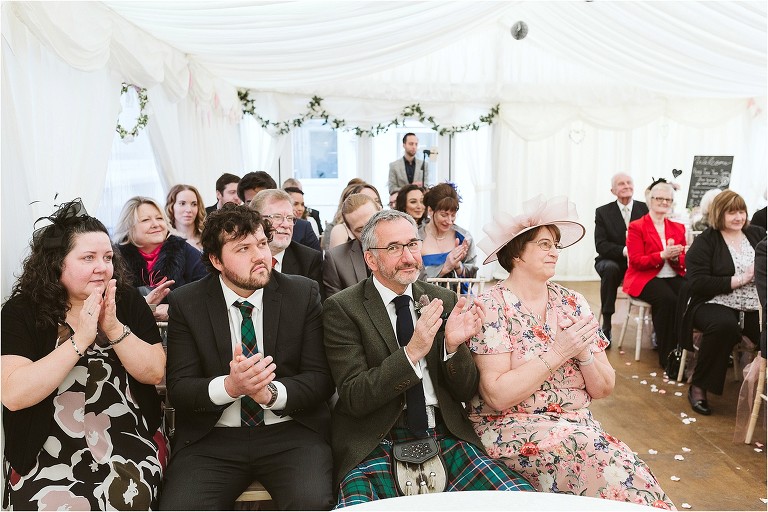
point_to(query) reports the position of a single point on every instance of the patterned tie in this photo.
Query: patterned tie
(274, 263)
(251, 413)
(416, 413)
(626, 214)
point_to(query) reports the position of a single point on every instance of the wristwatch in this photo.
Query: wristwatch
(272, 389)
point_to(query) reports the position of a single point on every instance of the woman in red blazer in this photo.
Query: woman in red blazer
(656, 266)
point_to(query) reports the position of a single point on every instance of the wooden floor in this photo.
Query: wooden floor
(716, 474)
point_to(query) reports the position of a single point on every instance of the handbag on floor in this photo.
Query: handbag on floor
(673, 362)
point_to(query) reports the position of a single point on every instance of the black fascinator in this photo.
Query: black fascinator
(67, 214)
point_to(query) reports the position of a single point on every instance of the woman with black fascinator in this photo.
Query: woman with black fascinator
(656, 263)
(81, 356)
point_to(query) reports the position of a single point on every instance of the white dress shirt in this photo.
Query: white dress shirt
(231, 415)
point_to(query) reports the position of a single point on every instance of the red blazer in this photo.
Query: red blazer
(643, 248)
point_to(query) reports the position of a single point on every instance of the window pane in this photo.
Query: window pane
(315, 151)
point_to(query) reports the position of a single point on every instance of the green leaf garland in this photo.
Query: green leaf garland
(141, 120)
(315, 110)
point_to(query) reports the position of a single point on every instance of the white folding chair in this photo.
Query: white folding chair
(476, 284)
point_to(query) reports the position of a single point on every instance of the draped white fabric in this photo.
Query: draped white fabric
(595, 88)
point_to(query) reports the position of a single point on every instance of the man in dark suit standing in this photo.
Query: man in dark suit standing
(408, 169)
(248, 377)
(611, 221)
(289, 256)
(426, 365)
(226, 192)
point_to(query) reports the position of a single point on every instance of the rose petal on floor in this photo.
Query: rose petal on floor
(679, 384)
(653, 374)
(662, 391)
(686, 449)
(678, 393)
(764, 500)
(643, 382)
(687, 421)
(759, 445)
(685, 505)
(683, 415)
(679, 457)
(622, 352)
(758, 450)
(628, 364)
(693, 420)
(652, 452)
(635, 377)
(674, 478)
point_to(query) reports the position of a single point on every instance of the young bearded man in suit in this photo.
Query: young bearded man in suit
(611, 221)
(248, 377)
(408, 169)
(289, 256)
(426, 366)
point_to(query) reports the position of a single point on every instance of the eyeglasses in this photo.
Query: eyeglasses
(662, 200)
(396, 250)
(547, 245)
(278, 218)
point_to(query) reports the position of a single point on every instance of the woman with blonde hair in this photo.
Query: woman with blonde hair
(154, 256)
(186, 213)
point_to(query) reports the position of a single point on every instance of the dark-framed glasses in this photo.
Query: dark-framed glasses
(547, 245)
(278, 218)
(396, 250)
(662, 200)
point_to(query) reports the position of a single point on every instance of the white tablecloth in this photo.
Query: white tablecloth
(498, 500)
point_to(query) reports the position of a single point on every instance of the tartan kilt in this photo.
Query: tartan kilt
(467, 468)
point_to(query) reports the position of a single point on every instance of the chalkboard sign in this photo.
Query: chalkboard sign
(708, 172)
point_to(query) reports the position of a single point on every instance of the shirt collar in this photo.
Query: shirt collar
(230, 297)
(629, 205)
(388, 295)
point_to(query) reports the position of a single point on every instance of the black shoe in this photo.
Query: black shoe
(699, 406)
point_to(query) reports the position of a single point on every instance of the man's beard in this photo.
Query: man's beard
(279, 245)
(400, 278)
(253, 282)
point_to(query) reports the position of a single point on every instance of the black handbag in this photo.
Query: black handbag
(673, 362)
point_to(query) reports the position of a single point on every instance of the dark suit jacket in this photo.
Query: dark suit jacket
(759, 218)
(372, 372)
(316, 215)
(305, 235)
(343, 267)
(200, 349)
(611, 233)
(760, 284)
(300, 260)
(643, 248)
(209, 209)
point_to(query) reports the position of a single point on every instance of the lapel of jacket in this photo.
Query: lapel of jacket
(270, 318)
(377, 312)
(219, 317)
(651, 234)
(636, 212)
(290, 264)
(617, 218)
(358, 261)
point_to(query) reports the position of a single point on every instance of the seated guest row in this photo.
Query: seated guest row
(253, 360)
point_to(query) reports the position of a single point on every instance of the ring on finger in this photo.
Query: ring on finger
(583, 338)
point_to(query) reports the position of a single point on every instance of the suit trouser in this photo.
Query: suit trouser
(291, 461)
(611, 274)
(720, 330)
(661, 294)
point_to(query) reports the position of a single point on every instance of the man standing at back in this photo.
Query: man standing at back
(226, 192)
(247, 376)
(385, 354)
(611, 221)
(408, 169)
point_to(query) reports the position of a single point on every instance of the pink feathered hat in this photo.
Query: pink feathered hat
(537, 212)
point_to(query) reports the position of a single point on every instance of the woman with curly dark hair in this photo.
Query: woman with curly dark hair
(81, 356)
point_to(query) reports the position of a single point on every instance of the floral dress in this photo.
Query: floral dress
(99, 454)
(551, 437)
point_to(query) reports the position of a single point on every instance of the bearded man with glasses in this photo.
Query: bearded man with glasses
(288, 255)
(402, 369)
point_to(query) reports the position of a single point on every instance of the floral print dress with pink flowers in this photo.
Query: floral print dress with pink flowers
(99, 454)
(551, 437)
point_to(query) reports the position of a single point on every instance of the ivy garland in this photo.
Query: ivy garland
(141, 121)
(315, 110)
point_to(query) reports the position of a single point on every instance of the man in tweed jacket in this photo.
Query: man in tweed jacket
(372, 371)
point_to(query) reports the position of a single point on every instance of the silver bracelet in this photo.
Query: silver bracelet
(126, 332)
(74, 345)
(588, 361)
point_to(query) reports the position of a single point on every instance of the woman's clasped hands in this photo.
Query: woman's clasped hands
(575, 337)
